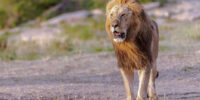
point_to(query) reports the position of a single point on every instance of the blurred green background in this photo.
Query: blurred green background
(15, 12)
(22, 21)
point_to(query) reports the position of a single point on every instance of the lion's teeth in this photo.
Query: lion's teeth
(118, 40)
(117, 33)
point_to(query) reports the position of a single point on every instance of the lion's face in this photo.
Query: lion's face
(120, 22)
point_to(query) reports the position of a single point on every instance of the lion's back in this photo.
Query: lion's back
(155, 40)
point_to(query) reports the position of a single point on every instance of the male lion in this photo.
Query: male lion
(135, 38)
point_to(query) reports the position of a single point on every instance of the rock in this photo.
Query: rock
(161, 13)
(187, 16)
(68, 17)
(38, 36)
(187, 10)
(151, 6)
(44, 35)
(160, 21)
(58, 9)
(97, 12)
(182, 10)
(26, 26)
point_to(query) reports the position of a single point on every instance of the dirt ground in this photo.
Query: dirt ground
(96, 76)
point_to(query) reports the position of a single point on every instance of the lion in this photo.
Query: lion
(135, 40)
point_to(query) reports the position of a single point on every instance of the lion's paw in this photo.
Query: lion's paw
(139, 98)
(130, 98)
(153, 98)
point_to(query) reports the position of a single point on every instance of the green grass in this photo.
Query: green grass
(98, 49)
(58, 48)
(3, 39)
(179, 37)
(110, 49)
(161, 38)
(163, 48)
(66, 45)
(180, 56)
(188, 68)
(8, 55)
(102, 49)
(85, 30)
(82, 32)
(86, 36)
(11, 54)
(193, 32)
(166, 28)
(32, 55)
(31, 51)
(93, 71)
(184, 32)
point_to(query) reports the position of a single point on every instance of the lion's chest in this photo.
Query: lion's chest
(130, 58)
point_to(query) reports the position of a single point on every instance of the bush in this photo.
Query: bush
(163, 2)
(3, 18)
(20, 11)
(146, 1)
(91, 4)
(4, 38)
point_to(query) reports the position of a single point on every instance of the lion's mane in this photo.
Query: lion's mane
(135, 52)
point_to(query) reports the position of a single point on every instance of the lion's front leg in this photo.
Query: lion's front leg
(128, 77)
(143, 83)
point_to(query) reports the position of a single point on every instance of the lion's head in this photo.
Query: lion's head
(119, 22)
(124, 18)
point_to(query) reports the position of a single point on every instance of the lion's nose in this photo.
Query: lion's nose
(115, 25)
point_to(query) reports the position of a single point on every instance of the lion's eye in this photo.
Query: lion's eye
(122, 15)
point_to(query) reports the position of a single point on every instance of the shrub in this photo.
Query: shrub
(91, 4)
(3, 41)
(20, 11)
(3, 18)
(146, 1)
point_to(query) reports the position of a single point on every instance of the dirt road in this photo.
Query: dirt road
(94, 77)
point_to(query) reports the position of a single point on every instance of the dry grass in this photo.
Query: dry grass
(86, 36)
(89, 36)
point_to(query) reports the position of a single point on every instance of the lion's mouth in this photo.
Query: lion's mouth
(119, 37)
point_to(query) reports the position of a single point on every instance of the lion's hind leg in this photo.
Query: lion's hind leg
(144, 76)
(152, 89)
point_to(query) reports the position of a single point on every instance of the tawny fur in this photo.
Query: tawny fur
(135, 52)
(138, 50)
